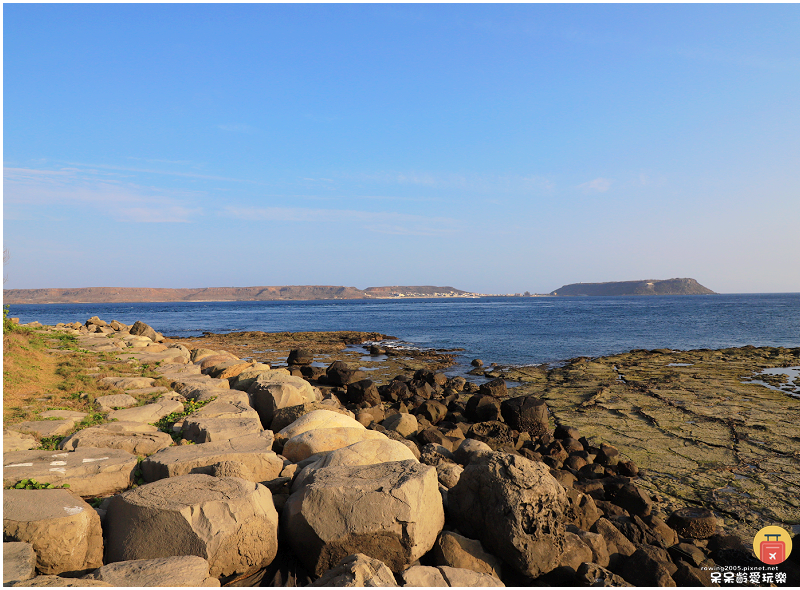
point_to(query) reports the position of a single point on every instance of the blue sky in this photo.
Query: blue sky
(494, 148)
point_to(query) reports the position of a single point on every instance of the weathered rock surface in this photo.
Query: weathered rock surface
(403, 424)
(320, 440)
(253, 450)
(88, 471)
(391, 512)
(19, 562)
(367, 452)
(222, 419)
(424, 576)
(269, 393)
(285, 416)
(454, 550)
(356, 571)
(59, 582)
(316, 420)
(63, 529)
(184, 570)
(230, 522)
(521, 515)
(18, 441)
(106, 403)
(148, 413)
(136, 438)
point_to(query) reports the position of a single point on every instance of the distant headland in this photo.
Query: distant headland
(647, 287)
(147, 295)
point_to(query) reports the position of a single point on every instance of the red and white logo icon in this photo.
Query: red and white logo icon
(772, 545)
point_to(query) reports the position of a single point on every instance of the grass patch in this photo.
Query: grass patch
(167, 422)
(32, 484)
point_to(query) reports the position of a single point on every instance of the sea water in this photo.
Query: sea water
(505, 330)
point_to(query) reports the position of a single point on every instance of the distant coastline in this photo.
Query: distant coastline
(317, 292)
(217, 294)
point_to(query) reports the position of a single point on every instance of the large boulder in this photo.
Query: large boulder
(366, 452)
(142, 329)
(317, 419)
(254, 451)
(363, 392)
(64, 530)
(283, 417)
(357, 571)
(516, 509)
(228, 521)
(184, 570)
(392, 512)
(89, 471)
(320, 440)
(526, 414)
(279, 391)
(339, 373)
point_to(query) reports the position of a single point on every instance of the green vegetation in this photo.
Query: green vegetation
(190, 407)
(32, 484)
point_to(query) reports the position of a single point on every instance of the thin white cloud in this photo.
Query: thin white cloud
(28, 190)
(383, 222)
(599, 185)
(516, 183)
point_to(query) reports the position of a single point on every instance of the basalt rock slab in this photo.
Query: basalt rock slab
(89, 471)
(64, 530)
(145, 440)
(254, 451)
(184, 570)
(19, 562)
(230, 522)
(18, 441)
(391, 512)
(521, 515)
(222, 419)
(448, 577)
(148, 413)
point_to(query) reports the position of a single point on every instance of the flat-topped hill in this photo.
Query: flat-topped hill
(647, 287)
(138, 295)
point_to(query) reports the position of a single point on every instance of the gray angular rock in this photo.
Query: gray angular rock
(455, 550)
(228, 521)
(516, 509)
(64, 530)
(390, 511)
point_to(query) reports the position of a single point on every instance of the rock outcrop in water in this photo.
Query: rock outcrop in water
(648, 287)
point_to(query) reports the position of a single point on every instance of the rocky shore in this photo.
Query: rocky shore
(228, 470)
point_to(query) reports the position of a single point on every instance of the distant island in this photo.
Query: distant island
(648, 287)
(147, 295)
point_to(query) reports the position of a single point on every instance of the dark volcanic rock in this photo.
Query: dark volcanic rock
(363, 392)
(482, 408)
(525, 413)
(339, 373)
(300, 356)
(495, 387)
